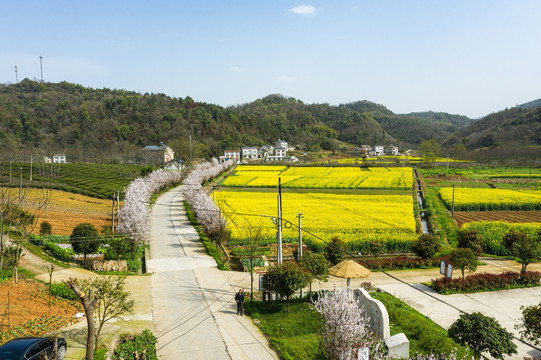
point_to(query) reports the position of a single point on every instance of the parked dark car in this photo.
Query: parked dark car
(32, 348)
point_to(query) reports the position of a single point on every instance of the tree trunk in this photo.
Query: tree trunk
(251, 282)
(98, 336)
(91, 325)
(89, 305)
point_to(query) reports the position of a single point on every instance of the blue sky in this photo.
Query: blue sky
(462, 57)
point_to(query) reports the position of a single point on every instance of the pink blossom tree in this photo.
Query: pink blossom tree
(345, 327)
(134, 214)
(205, 210)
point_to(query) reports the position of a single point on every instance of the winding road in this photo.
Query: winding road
(193, 303)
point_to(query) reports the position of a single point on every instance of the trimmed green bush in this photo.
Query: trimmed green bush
(144, 342)
(64, 291)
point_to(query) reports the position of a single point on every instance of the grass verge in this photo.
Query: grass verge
(207, 243)
(442, 216)
(425, 336)
(294, 335)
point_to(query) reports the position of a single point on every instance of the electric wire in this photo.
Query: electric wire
(291, 224)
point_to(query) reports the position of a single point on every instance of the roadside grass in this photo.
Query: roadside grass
(425, 336)
(210, 247)
(294, 335)
(442, 216)
(43, 254)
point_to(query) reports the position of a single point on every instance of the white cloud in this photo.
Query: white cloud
(284, 78)
(235, 69)
(303, 10)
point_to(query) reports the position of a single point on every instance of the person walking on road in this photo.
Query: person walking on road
(239, 298)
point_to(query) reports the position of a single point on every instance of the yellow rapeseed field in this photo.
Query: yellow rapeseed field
(355, 218)
(399, 178)
(491, 199)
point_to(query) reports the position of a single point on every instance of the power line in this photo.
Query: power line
(291, 224)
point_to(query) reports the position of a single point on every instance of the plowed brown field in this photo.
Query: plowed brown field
(29, 300)
(463, 217)
(65, 210)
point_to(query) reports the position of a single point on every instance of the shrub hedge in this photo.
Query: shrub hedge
(64, 291)
(144, 343)
(403, 262)
(486, 282)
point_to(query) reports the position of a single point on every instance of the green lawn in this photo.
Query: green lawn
(294, 335)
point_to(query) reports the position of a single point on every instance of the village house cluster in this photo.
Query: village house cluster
(276, 152)
(379, 150)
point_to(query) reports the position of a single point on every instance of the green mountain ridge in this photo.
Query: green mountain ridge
(104, 125)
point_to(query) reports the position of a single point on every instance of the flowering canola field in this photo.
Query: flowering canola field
(356, 219)
(396, 178)
(491, 233)
(491, 199)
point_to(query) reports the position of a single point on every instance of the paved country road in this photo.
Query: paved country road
(193, 302)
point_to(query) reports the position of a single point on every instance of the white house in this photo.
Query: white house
(230, 155)
(59, 159)
(264, 151)
(279, 154)
(377, 150)
(249, 152)
(391, 150)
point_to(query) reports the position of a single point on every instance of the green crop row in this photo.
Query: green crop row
(95, 180)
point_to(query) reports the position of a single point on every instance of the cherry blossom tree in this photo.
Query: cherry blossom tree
(345, 327)
(134, 214)
(202, 205)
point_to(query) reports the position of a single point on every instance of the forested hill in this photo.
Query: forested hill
(412, 128)
(516, 127)
(103, 125)
(319, 122)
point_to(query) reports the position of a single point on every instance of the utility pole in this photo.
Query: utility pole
(300, 236)
(118, 208)
(113, 224)
(16, 75)
(279, 233)
(20, 186)
(299, 252)
(453, 206)
(41, 66)
(448, 163)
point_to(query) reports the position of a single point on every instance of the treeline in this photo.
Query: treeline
(104, 125)
(113, 125)
(411, 129)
